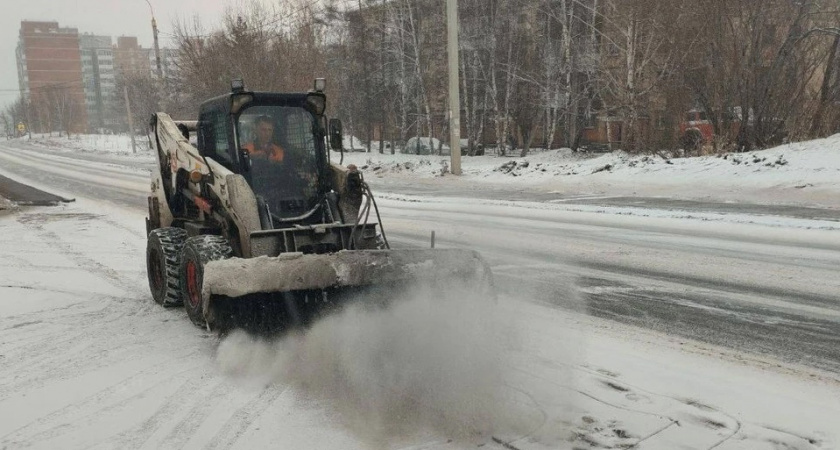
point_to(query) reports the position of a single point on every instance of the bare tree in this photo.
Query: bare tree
(638, 55)
(57, 107)
(760, 68)
(144, 97)
(15, 113)
(535, 69)
(8, 123)
(278, 49)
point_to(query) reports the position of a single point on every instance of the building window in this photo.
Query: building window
(590, 118)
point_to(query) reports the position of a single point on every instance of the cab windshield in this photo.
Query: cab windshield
(280, 143)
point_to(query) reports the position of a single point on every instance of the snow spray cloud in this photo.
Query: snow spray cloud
(430, 362)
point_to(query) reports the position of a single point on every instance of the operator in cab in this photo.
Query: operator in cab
(263, 145)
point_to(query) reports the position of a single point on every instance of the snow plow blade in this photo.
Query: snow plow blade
(238, 277)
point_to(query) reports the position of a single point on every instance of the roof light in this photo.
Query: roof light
(237, 86)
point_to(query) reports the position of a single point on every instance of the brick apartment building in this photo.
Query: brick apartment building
(70, 79)
(50, 75)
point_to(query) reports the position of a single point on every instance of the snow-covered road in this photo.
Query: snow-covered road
(762, 289)
(619, 330)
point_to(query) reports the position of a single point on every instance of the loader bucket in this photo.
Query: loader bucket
(240, 277)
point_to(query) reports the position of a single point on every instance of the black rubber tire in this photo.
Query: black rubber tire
(198, 251)
(163, 264)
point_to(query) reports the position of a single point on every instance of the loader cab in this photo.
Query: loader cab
(275, 141)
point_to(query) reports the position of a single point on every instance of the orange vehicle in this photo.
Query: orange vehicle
(697, 123)
(696, 129)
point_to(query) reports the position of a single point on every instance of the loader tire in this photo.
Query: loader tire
(198, 251)
(163, 263)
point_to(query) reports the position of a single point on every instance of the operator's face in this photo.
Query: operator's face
(265, 131)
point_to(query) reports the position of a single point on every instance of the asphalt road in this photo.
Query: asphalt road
(767, 291)
(26, 195)
(513, 193)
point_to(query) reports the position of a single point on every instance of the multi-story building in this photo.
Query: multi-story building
(131, 59)
(50, 76)
(167, 62)
(99, 80)
(70, 79)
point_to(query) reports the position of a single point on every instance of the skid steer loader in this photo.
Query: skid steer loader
(242, 231)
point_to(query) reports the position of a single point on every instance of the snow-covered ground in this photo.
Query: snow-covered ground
(87, 360)
(806, 172)
(92, 143)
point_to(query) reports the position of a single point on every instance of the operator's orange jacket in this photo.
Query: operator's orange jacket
(272, 151)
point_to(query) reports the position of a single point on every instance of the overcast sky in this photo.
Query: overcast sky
(103, 17)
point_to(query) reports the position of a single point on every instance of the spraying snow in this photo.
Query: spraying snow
(429, 362)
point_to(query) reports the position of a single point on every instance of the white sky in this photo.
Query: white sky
(103, 17)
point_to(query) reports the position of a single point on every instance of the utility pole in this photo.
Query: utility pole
(454, 88)
(155, 36)
(28, 116)
(130, 120)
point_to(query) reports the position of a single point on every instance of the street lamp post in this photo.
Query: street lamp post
(155, 35)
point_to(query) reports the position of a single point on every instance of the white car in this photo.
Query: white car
(424, 146)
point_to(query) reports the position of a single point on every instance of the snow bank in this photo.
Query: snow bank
(804, 166)
(5, 204)
(353, 144)
(93, 143)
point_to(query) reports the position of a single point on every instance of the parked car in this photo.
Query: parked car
(424, 146)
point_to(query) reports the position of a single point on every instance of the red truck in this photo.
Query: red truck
(696, 129)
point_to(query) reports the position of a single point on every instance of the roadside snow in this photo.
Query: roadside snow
(5, 204)
(809, 163)
(353, 144)
(91, 143)
(789, 173)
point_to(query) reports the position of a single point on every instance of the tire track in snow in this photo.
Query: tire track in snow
(236, 426)
(103, 402)
(65, 347)
(189, 400)
(66, 351)
(99, 173)
(58, 344)
(194, 409)
(69, 249)
(606, 388)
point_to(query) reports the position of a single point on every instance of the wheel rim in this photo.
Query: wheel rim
(192, 285)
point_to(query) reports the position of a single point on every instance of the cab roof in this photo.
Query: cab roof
(223, 102)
